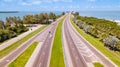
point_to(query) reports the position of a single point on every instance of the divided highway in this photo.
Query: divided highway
(45, 36)
(43, 58)
(77, 59)
(78, 52)
(82, 53)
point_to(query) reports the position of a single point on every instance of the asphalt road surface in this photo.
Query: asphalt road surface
(76, 57)
(45, 36)
(44, 54)
(81, 52)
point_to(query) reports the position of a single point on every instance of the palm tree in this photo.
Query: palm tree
(52, 16)
(2, 24)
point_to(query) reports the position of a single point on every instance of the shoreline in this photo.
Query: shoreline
(9, 11)
(117, 21)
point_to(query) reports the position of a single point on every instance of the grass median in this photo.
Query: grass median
(114, 56)
(23, 58)
(97, 64)
(57, 57)
(13, 46)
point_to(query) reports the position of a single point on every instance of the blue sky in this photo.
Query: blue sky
(58, 5)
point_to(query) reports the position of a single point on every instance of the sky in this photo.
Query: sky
(59, 5)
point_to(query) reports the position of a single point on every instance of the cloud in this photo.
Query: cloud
(57, 0)
(37, 2)
(2, 4)
(92, 0)
(8, 0)
(31, 2)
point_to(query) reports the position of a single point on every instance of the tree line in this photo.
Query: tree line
(14, 26)
(107, 31)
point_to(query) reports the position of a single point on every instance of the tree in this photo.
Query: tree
(36, 17)
(8, 22)
(42, 18)
(19, 21)
(52, 16)
(2, 24)
(63, 13)
(76, 13)
(81, 24)
(103, 36)
(111, 42)
(28, 19)
(1, 35)
(94, 32)
(86, 28)
(118, 46)
(45, 18)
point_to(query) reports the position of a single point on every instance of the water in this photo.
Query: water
(21, 14)
(110, 15)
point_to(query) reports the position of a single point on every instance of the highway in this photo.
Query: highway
(76, 57)
(44, 36)
(42, 60)
(78, 51)
(82, 53)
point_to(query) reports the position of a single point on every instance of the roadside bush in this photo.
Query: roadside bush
(19, 29)
(12, 34)
(13, 29)
(81, 24)
(111, 42)
(6, 34)
(103, 36)
(86, 28)
(1, 35)
(94, 32)
(118, 46)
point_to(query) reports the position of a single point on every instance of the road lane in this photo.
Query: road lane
(15, 39)
(42, 60)
(76, 57)
(89, 53)
(39, 37)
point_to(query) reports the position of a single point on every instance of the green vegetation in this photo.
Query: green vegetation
(96, 64)
(23, 58)
(106, 30)
(7, 32)
(13, 46)
(106, 26)
(14, 26)
(112, 55)
(42, 18)
(57, 58)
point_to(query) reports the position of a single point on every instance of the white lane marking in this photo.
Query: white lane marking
(76, 58)
(91, 55)
(85, 51)
(83, 48)
(87, 55)
(73, 48)
(40, 65)
(50, 35)
(7, 60)
(43, 53)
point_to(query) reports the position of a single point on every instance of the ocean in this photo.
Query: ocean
(109, 15)
(23, 13)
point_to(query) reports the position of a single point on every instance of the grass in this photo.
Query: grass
(97, 64)
(57, 57)
(114, 56)
(23, 58)
(13, 46)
